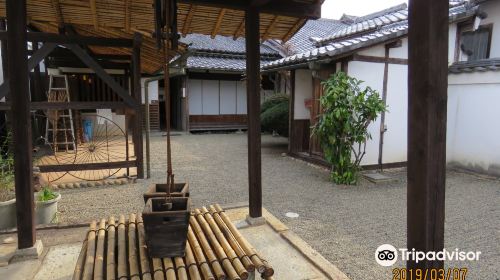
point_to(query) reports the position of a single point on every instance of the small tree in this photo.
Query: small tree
(342, 128)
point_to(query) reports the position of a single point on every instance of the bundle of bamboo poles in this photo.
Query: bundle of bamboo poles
(215, 250)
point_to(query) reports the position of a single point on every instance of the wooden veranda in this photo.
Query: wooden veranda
(125, 27)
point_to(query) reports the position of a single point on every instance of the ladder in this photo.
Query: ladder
(59, 131)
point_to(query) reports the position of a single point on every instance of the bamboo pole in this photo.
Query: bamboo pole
(132, 250)
(269, 270)
(169, 268)
(238, 266)
(89, 260)
(201, 260)
(99, 256)
(249, 250)
(221, 254)
(122, 250)
(194, 274)
(181, 268)
(80, 263)
(232, 240)
(110, 255)
(143, 254)
(195, 228)
(158, 269)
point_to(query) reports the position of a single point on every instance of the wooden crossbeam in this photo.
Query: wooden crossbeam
(92, 64)
(69, 105)
(220, 17)
(86, 166)
(74, 39)
(239, 30)
(189, 19)
(270, 28)
(93, 10)
(127, 15)
(276, 7)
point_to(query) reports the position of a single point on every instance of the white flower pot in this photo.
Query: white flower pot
(46, 211)
(8, 214)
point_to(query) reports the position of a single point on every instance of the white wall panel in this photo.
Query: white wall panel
(241, 100)
(303, 91)
(195, 97)
(227, 97)
(210, 97)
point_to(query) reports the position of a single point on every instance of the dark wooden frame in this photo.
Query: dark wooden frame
(466, 24)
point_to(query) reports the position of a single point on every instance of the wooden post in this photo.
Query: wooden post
(252, 35)
(136, 93)
(3, 114)
(427, 101)
(21, 124)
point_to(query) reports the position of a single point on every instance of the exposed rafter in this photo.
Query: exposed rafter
(57, 8)
(277, 7)
(238, 31)
(269, 29)
(127, 15)
(220, 17)
(93, 10)
(189, 19)
(296, 26)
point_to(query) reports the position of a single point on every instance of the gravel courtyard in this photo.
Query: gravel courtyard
(344, 223)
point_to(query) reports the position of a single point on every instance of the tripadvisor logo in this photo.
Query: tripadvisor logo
(387, 255)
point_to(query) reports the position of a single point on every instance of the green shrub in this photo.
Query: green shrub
(46, 194)
(274, 115)
(342, 127)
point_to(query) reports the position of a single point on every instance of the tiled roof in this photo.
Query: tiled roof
(320, 28)
(222, 44)
(370, 22)
(233, 63)
(360, 39)
(484, 65)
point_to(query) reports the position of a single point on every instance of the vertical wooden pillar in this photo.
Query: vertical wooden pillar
(252, 36)
(137, 118)
(3, 114)
(427, 101)
(21, 127)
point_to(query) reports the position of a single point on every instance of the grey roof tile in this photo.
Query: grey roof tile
(483, 65)
(221, 44)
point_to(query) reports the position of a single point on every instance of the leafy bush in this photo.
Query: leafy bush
(6, 172)
(274, 114)
(342, 127)
(7, 187)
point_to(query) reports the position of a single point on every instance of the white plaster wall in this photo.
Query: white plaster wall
(452, 40)
(372, 74)
(401, 52)
(378, 50)
(473, 131)
(241, 98)
(303, 91)
(152, 90)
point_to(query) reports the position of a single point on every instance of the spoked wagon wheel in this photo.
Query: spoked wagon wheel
(103, 142)
(46, 152)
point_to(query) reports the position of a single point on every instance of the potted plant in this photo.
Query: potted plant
(7, 201)
(46, 206)
(166, 221)
(160, 190)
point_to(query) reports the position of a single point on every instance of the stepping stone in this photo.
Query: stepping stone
(379, 178)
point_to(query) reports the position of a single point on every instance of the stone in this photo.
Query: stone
(7, 251)
(255, 221)
(29, 253)
(379, 178)
(9, 240)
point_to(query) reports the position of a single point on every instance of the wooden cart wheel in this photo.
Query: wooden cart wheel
(103, 142)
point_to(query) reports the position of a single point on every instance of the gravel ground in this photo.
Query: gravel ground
(344, 223)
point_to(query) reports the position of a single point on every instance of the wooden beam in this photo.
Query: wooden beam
(188, 20)
(92, 64)
(298, 24)
(136, 119)
(252, 40)
(86, 166)
(270, 28)
(220, 17)
(74, 39)
(57, 9)
(239, 30)
(21, 124)
(276, 7)
(126, 5)
(427, 102)
(93, 11)
(378, 59)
